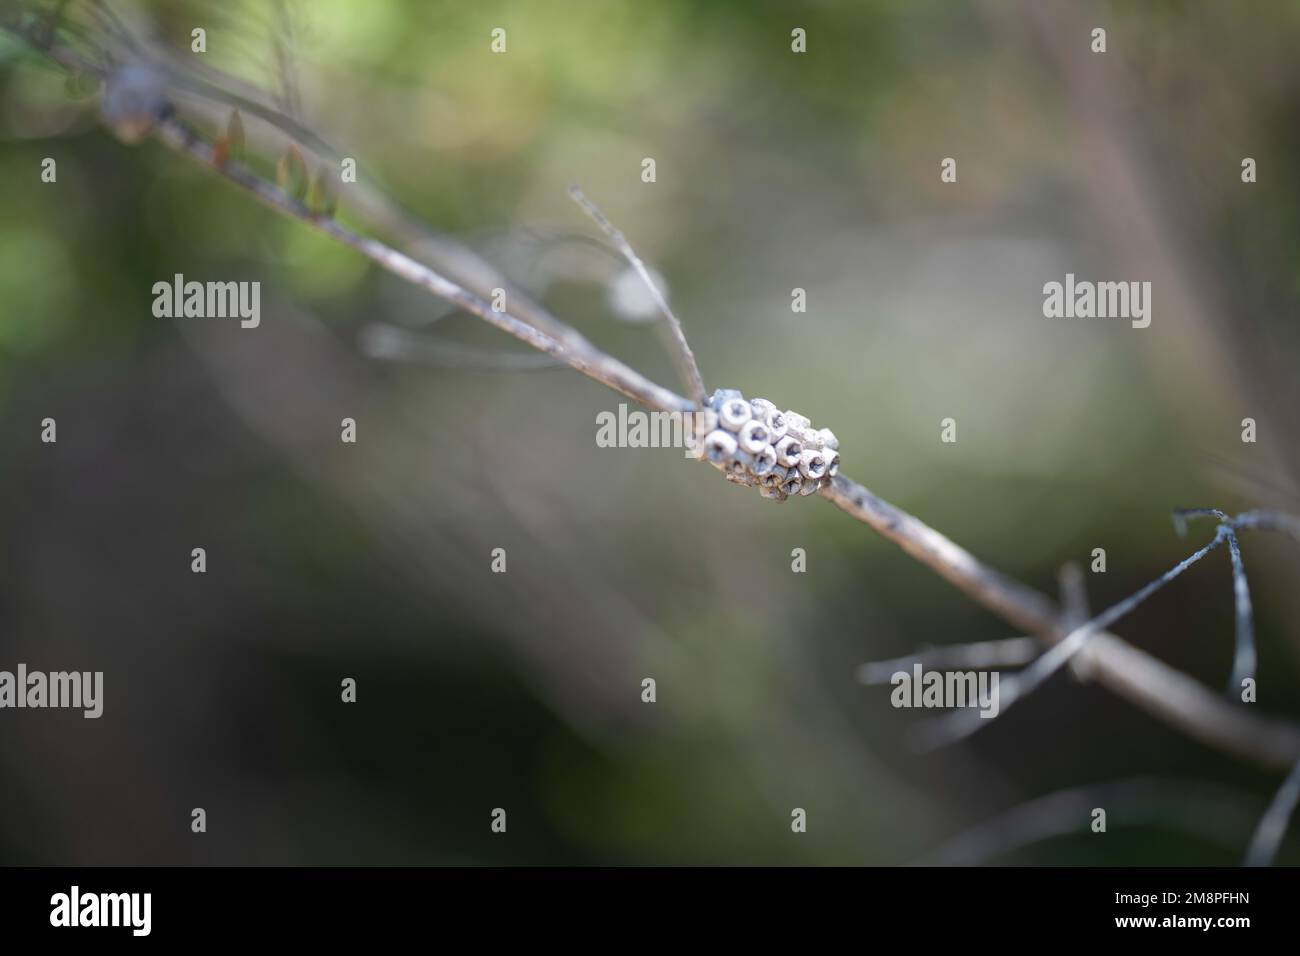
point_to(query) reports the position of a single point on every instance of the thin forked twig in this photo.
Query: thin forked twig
(687, 367)
(988, 655)
(1243, 656)
(1163, 691)
(963, 723)
(960, 724)
(1000, 654)
(1272, 827)
(574, 350)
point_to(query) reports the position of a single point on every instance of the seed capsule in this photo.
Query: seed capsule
(737, 470)
(801, 428)
(776, 423)
(788, 451)
(723, 395)
(810, 438)
(812, 464)
(734, 413)
(719, 447)
(754, 443)
(764, 461)
(702, 422)
(697, 427)
(753, 436)
(798, 423)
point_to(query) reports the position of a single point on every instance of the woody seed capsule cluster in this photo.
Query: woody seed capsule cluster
(754, 443)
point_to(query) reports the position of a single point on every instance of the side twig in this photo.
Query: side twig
(575, 350)
(687, 367)
(1272, 828)
(962, 723)
(1157, 688)
(1207, 810)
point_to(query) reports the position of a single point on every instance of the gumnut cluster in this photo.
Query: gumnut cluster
(752, 442)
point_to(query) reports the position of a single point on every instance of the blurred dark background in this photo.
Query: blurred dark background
(522, 690)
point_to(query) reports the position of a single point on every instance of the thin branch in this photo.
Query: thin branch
(575, 351)
(1272, 828)
(1243, 658)
(684, 358)
(1133, 674)
(963, 723)
(1015, 602)
(978, 655)
(1074, 594)
(1075, 608)
(1006, 652)
(1263, 520)
(391, 342)
(1181, 515)
(191, 77)
(1206, 810)
(113, 24)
